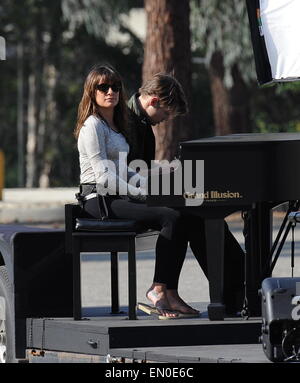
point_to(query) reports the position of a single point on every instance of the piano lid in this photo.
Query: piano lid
(252, 166)
(246, 139)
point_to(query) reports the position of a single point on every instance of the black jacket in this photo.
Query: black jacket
(142, 139)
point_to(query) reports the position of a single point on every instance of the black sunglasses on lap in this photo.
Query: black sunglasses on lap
(105, 87)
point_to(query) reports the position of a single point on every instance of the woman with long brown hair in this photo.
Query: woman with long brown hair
(89, 105)
(102, 135)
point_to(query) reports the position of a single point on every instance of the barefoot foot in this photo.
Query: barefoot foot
(157, 295)
(176, 303)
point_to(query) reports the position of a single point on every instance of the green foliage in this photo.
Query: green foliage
(222, 25)
(96, 15)
(69, 35)
(275, 108)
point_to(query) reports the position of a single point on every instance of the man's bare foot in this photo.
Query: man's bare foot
(157, 295)
(178, 304)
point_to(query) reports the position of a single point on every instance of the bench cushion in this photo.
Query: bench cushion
(92, 224)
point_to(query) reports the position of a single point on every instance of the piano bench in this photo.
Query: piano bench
(109, 235)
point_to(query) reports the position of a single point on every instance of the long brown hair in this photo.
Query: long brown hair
(88, 105)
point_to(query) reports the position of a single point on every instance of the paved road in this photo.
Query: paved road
(35, 205)
(193, 285)
(47, 205)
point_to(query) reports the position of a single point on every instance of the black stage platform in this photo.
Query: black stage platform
(238, 353)
(148, 339)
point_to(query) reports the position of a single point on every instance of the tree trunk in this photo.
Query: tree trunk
(220, 95)
(230, 105)
(35, 92)
(167, 49)
(240, 109)
(20, 113)
(31, 133)
(48, 130)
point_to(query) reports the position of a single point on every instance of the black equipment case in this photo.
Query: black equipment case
(280, 332)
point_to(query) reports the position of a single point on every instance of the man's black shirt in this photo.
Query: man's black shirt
(142, 145)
